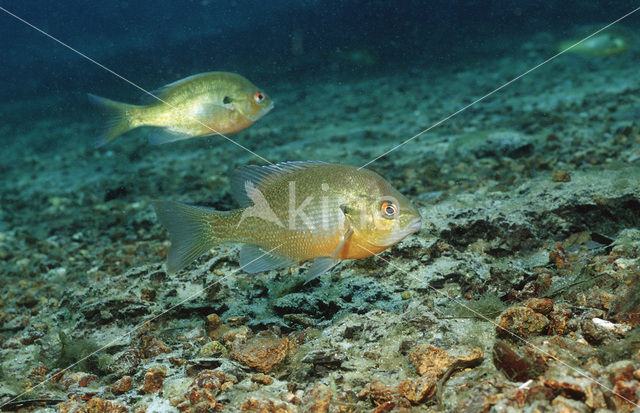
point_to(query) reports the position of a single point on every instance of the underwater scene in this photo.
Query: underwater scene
(320, 206)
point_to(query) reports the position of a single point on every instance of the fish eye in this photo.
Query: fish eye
(258, 97)
(389, 209)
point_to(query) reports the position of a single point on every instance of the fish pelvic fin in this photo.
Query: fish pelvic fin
(118, 117)
(193, 231)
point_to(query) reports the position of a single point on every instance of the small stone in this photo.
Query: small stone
(98, 405)
(236, 337)
(73, 405)
(213, 322)
(126, 363)
(516, 363)
(570, 390)
(263, 353)
(78, 379)
(594, 333)
(594, 397)
(318, 399)
(122, 386)
(151, 346)
(540, 305)
(267, 406)
(521, 321)
(177, 361)
(560, 322)
(379, 392)
(262, 379)
(561, 176)
(419, 390)
(558, 256)
(213, 349)
(206, 385)
(87, 380)
(539, 393)
(237, 321)
(147, 294)
(430, 360)
(563, 405)
(301, 319)
(469, 358)
(153, 380)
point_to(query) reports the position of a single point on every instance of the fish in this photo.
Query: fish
(198, 105)
(611, 42)
(293, 212)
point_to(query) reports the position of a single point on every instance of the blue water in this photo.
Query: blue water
(155, 41)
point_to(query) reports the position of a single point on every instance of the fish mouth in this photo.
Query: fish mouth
(261, 113)
(414, 226)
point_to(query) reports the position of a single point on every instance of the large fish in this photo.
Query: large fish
(199, 105)
(292, 212)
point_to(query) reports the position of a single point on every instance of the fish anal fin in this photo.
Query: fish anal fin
(161, 136)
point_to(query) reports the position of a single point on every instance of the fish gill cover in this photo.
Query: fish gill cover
(520, 291)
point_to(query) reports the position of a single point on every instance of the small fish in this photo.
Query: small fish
(198, 105)
(611, 42)
(293, 212)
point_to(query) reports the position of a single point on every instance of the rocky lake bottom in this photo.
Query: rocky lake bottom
(520, 293)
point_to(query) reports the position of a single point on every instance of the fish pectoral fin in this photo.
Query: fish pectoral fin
(254, 259)
(161, 136)
(214, 110)
(345, 238)
(324, 264)
(319, 267)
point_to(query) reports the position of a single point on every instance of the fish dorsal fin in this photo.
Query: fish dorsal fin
(164, 92)
(260, 176)
(254, 259)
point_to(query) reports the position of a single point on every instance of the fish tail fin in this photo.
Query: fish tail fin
(118, 118)
(193, 230)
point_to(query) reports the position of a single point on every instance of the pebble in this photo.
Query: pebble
(213, 349)
(122, 386)
(561, 176)
(517, 364)
(262, 379)
(318, 399)
(563, 405)
(521, 321)
(430, 360)
(153, 380)
(263, 353)
(540, 305)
